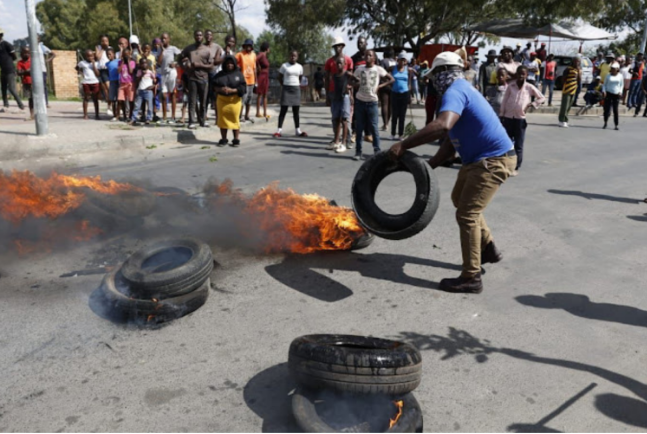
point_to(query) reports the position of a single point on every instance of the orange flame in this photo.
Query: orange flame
(295, 223)
(399, 405)
(23, 194)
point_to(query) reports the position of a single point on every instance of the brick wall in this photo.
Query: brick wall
(64, 78)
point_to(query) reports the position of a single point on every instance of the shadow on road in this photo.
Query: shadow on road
(298, 272)
(459, 342)
(638, 218)
(594, 196)
(582, 306)
(267, 395)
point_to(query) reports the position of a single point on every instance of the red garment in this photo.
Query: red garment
(263, 74)
(331, 66)
(550, 70)
(25, 65)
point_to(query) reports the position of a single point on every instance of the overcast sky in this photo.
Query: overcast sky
(14, 23)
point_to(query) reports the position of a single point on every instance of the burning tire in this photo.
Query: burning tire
(363, 242)
(355, 364)
(392, 226)
(312, 416)
(125, 305)
(168, 268)
(129, 204)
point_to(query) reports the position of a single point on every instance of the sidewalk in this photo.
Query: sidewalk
(69, 133)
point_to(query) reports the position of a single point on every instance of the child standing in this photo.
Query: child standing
(90, 82)
(181, 90)
(340, 105)
(24, 71)
(145, 84)
(126, 78)
(113, 76)
(495, 94)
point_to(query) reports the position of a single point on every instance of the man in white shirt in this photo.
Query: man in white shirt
(366, 103)
(46, 56)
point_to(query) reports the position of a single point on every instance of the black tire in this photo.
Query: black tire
(395, 226)
(363, 242)
(123, 305)
(355, 364)
(168, 268)
(306, 415)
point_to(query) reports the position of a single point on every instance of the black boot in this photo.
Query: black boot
(473, 285)
(490, 255)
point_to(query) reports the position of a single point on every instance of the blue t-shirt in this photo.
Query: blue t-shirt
(401, 84)
(478, 134)
(113, 70)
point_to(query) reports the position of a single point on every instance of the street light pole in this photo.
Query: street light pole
(644, 41)
(38, 86)
(130, 17)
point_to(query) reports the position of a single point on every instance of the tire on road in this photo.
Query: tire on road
(363, 242)
(168, 268)
(355, 364)
(124, 305)
(395, 226)
(306, 415)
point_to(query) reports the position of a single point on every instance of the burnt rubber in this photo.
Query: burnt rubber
(123, 304)
(395, 226)
(363, 242)
(306, 415)
(355, 364)
(168, 268)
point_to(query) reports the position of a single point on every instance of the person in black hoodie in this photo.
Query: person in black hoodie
(230, 86)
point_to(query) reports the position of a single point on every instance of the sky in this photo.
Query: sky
(13, 21)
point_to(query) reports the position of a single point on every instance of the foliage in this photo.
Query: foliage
(301, 25)
(77, 24)
(278, 50)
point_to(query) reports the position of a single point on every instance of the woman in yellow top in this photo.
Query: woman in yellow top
(230, 86)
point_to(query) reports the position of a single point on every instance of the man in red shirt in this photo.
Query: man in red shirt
(549, 78)
(24, 71)
(331, 69)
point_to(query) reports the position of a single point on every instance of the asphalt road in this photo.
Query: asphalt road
(555, 342)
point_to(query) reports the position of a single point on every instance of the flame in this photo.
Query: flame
(294, 223)
(399, 405)
(23, 194)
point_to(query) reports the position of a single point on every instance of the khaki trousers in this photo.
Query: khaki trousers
(475, 187)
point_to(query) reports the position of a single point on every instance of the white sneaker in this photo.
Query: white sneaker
(114, 120)
(565, 124)
(109, 112)
(340, 149)
(332, 146)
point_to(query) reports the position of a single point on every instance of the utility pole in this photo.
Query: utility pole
(644, 41)
(38, 87)
(130, 18)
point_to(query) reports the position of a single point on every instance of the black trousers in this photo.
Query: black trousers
(8, 82)
(399, 104)
(611, 101)
(295, 115)
(197, 101)
(516, 129)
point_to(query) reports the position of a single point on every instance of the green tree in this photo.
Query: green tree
(61, 23)
(278, 50)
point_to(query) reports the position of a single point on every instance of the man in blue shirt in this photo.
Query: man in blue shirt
(469, 126)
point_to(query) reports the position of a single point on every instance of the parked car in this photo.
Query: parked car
(565, 61)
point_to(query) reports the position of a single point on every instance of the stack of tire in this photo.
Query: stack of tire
(355, 368)
(163, 281)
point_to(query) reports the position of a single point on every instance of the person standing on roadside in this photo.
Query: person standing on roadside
(548, 81)
(230, 45)
(485, 72)
(290, 78)
(46, 56)
(636, 72)
(572, 79)
(643, 89)
(263, 68)
(90, 83)
(319, 83)
(230, 86)
(24, 72)
(122, 43)
(400, 96)
(612, 93)
(532, 69)
(516, 102)
(467, 124)
(195, 59)
(247, 64)
(359, 59)
(101, 56)
(215, 59)
(388, 63)
(113, 88)
(366, 110)
(8, 73)
(166, 60)
(507, 63)
(331, 69)
(605, 67)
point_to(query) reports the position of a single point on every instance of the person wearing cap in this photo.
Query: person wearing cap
(330, 69)
(605, 67)
(507, 63)
(612, 87)
(486, 70)
(134, 46)
(8, 73)
(247, 63)
(467, 124)
(196, 65)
